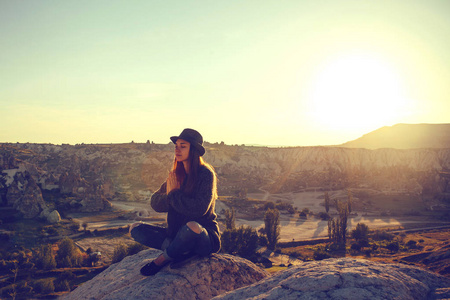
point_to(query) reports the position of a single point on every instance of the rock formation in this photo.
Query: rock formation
(346, 278)
(229, 277)
(25, 195)
(95, 174)
(200, 279)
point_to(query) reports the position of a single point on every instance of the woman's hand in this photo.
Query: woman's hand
(172, 182)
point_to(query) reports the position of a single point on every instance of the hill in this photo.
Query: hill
(405, 136)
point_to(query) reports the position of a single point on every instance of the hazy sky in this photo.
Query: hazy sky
(242, 72)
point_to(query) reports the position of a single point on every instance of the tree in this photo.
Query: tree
(85, 225)
(272, 227)
(230, 218)
(242, 241)
(327, 202)
(68, 254)
(337, 228)
(45, 258)
(349, 200)
(361, 232)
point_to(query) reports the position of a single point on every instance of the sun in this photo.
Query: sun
(357, 91)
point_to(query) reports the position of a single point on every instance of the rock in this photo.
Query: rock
(345, 278)
(202, 278)
(54, 217)
(25, 195)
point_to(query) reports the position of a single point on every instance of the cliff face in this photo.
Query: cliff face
(90, 175)
(230, 277)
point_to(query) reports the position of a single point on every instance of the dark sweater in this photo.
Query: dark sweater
(182, 208)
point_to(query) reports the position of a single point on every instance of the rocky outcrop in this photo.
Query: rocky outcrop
(229, 277)
(25, 195)
(202, 278)
(345, 278)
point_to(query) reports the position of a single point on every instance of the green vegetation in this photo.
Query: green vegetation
(272, 227)
(121, 251)
(242, 241)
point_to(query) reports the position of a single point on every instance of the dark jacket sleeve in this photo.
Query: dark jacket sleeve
(160, 200)
(195, 205)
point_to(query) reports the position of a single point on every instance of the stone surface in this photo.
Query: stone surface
(54, 217)
(25, 195)
(346, 278)
(203, 278)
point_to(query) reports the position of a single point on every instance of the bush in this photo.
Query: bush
(62, 286)
(393, 247)
(361, 232)
(269, 205)
(324, 216)
(44, 286)
(242, 241)
(62, 283)
(411, 244)
(120, 252)
(356, 247)
(262, 240)
(68, 254)
(135, 248)
(382, 236)
(44, 258)
(320, 254)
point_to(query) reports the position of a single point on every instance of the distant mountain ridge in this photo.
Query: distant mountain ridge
(404, 136)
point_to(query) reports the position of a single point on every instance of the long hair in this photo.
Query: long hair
(195, 161)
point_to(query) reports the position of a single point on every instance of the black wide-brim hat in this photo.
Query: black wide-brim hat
(193, 137)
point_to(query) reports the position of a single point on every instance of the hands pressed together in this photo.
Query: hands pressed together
(172, 182)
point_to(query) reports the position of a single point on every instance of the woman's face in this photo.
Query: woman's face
(182, 150)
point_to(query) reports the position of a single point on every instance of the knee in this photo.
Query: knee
(195, 227)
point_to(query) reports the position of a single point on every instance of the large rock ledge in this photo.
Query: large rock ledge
(347, 278)
(229, 277)
(200, 279)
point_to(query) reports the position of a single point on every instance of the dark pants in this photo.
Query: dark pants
(185, 242)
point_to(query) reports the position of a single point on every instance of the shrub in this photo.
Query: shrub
(135, 248)
(120, 252)
(242, 241)
(411, 244)
(44, 258)
(44, 286)
(382, 236)
(262, 240)
(356, 247)
(324, 216)
(62, 286)
(393, 247)
(361, 232)
(68, 254)
(320, 254)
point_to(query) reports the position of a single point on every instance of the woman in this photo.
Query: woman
(188, 196)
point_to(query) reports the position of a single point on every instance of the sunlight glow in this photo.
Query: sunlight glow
(357, 90)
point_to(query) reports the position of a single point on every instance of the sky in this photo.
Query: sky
(281, 73)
